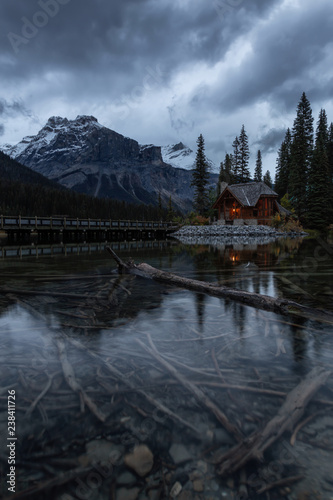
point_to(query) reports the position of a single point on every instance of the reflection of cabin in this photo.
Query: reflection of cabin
(251, 203)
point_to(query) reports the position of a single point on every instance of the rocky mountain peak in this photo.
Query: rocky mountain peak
(179, 147)
(85, 156)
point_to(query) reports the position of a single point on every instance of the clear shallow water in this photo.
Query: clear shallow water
(232, 352)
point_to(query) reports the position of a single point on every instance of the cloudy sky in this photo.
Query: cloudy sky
(161, 71)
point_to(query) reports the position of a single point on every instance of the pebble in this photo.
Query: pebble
(101, 450)
(125, 494)
(126, 478)
(141, 460)
(198, 485)
(179, 453)
(176, 489)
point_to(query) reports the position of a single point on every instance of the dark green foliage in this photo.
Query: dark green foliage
(200, 178)
(221, 178)
(268, 179)
(14, 171)
(301, 155)
(283, 165)
(226, 174)
(244, 156)
(236, 160)
(330, 150)
(319, 213)
(25, 192)
(171, 213)
(240, 159)
(258, 169)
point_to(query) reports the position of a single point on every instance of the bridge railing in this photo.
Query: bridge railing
(8, 222)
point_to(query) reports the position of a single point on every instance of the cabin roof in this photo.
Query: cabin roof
(249, 193)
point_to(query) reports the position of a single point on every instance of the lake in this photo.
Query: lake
(117, 378)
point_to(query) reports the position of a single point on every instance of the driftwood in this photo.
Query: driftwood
(196, 391)
(74, 385)
(288, 415)
(116, 373)
(281, 306)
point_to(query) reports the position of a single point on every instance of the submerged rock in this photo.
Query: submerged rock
(141, 460)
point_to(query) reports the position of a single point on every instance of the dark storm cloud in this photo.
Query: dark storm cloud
(115, 41)
(282, 54)
(98, 57)
(270, 141)
(2, 129)
(14, 108)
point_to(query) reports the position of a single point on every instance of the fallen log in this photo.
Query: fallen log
(280, 306)
(289, 414)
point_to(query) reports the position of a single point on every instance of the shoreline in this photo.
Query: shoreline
(224, 231)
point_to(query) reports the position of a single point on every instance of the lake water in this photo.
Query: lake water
(93, 356)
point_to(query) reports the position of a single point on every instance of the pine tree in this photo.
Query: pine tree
(283, 165)
(319, 213)
(330, 162)
(236, 160)
(226, 174)
(244, 156)
(230, 177)
(258, 169)
(220, 179)
(171, 213)
(200, 178)
(330, 151)
(268, 179)
(160, 208)
(301, 155)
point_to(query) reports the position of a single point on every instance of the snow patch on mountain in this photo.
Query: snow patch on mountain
(78, 128)
(181, 156)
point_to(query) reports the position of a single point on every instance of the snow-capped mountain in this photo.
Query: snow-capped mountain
(181, 156)
(85, 156)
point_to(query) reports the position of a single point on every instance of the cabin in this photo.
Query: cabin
(251, 204)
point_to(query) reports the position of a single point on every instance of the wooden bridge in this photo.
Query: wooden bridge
(61, 228)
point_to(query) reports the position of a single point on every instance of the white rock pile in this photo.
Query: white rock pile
(230, 231)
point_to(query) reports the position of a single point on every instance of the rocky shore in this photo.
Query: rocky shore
(230, 231)
(228, 235)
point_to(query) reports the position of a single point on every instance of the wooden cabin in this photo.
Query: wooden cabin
(251, 203)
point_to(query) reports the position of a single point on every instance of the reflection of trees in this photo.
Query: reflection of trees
(200, 300)
(299, 339)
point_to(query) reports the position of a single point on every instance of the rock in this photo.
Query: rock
(198, 485)
(185, 495)
(126, 478)
(126, 494)
(223, 437)
(179, 454)
(176, 489)
(103, 451)
(141, 460)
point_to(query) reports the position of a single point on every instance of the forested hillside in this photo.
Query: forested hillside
(25, 192)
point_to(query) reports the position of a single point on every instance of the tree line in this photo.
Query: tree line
(304, 169)
(25, 192)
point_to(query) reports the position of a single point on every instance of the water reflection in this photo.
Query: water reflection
(242, 358)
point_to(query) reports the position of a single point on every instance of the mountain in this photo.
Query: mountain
(181, 156)
(11, 170)
(28, 193)
(85, 156)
